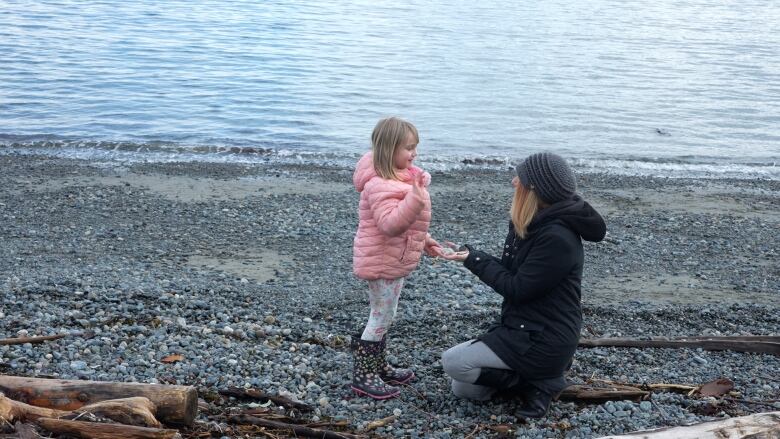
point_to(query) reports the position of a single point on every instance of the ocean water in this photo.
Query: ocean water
(668, 87)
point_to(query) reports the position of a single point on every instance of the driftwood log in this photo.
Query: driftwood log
(137, 411)
(373, 425)
(11, 411)
(254, 394)
(717, 387)
(176, 405)
(756, 426)
(295, 430)
(748, 338)
(761, 344)
(33, 340)
(94, 430)
(135, 416)
(582, 392)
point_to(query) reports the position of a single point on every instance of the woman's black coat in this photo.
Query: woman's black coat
(539, 278)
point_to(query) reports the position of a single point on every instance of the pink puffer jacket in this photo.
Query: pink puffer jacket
(393, 229)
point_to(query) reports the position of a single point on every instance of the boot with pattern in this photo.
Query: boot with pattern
(389, 373)
(365, 376)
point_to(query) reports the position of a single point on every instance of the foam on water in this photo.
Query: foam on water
(167, 152)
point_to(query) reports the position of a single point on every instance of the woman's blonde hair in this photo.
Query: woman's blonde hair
(388, 134)
(525, 204)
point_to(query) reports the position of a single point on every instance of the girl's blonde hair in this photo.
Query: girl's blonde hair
(525, 204)
(388, 134)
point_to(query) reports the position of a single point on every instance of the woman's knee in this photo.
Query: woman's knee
(454, 366)
(448, 361)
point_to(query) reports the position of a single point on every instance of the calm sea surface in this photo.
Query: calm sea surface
(685, 83)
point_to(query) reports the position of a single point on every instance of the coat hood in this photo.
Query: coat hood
(575, 213)
(364, 172)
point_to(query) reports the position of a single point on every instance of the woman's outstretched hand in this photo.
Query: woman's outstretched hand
(450, 253)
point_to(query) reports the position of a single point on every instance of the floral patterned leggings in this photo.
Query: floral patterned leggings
(383, 296)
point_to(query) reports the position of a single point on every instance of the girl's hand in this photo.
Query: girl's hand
(433, 248)
(418, 183)
(449, 252)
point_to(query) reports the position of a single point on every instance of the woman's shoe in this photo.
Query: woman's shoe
(535, 403)
(365, 376)
(390, 374)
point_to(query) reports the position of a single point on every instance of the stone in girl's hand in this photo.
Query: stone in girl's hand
(447, 251)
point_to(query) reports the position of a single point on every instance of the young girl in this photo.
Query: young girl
(394, 213)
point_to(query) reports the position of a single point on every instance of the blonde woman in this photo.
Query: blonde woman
(538, 275)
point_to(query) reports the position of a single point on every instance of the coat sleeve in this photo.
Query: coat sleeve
(547, 264)
(393, 212)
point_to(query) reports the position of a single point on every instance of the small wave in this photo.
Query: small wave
(677, 168)
(163, 151)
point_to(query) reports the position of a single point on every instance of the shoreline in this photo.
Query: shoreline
(245, 269)
(678, 167)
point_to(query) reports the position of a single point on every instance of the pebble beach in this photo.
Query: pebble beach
(245, 270)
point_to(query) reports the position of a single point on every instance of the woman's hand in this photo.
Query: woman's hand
(449, 252)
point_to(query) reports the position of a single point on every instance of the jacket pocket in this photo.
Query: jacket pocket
(532, 330)
(510, 341)
(412, 250)
(525, 326)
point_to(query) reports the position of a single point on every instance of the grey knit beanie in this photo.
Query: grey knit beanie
(548, 175)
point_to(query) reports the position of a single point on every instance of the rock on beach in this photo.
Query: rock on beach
(253, 287)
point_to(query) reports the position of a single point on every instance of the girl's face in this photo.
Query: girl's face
(516, 182)
(405, 152)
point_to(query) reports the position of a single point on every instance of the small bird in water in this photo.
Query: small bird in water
(662, 132)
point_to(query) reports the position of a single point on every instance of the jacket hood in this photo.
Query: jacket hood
(575, 213)
(364, 172)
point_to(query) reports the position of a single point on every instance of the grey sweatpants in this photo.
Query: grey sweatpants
(464, 362)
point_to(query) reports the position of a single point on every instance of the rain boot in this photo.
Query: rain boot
(390, 374)
(365, 375)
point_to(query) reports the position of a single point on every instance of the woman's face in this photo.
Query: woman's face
(516, 183)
